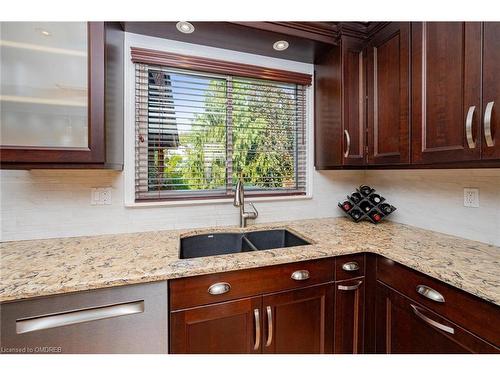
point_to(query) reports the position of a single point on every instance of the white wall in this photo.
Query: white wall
(433, 199)
(44, 204)
(48, 203)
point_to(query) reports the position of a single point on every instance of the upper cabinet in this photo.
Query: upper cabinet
(388, 87)
(490, 146)
(413, 95)
(446, 94)
(53, 93)
(353, 99)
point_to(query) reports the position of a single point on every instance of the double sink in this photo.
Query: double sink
(204, 245)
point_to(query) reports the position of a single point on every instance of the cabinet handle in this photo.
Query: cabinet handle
(257, 329)
(269, 325)
(350, 287)
(219, 288)
(348, 143)
(79, 316)
(300, 275)
(487, 125)
(431, 322)
(468, 127)
(430, 293)
(350, 266)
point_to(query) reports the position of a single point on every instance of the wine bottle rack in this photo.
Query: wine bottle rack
(365, 204)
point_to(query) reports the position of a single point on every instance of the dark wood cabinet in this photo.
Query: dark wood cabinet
(405, 327)
(349, 316)
(388, 87)
(446, 91)
(490, 147)
(413, 95)
(286, 308)
(353, 102)
(299, 321)
(75, 119)
(230, 327)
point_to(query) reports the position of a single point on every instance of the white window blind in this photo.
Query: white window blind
(196, 133)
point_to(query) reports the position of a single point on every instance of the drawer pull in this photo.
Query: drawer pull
(257, 329)
(300, 275)
(350, 266)
(431, 322)
(487, 125)
(430, 293)
(79, 316)
(269, 325)
(219, 288)
(350, 287)
(468, 127)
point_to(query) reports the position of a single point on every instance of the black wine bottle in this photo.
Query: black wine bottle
(365, 190)
(365, 206)
(356, 197)
(386, 208)
(356, 214)
(375, 199)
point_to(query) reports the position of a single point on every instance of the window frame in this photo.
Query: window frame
(132, 41)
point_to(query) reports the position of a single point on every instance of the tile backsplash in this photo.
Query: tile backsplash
(50, 203)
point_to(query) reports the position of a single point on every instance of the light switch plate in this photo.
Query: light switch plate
(471, 197)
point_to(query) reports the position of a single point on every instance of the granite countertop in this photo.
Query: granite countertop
(45, 267)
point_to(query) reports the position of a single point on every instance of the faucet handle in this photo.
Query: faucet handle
(255, 213)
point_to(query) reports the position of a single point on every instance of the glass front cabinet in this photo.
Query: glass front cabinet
(52, 93)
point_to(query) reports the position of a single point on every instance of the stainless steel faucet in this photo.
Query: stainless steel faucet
(239, 201)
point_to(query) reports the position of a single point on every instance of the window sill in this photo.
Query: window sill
(194, 202)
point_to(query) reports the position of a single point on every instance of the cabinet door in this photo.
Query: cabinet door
(349, 313)
(225, 328)
(353, 99)
(388, 88)
(52, 102)
(405, 327)
(446, 91)
(491, 91)
(299, 321)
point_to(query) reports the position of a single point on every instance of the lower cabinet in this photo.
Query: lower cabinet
(406, 327)
(233, 327)
(299, 321)
(296, 321)
(349, 316)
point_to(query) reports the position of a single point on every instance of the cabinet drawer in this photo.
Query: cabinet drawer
(128, 319)
(472, 313)
(206, 289)
(349, 266)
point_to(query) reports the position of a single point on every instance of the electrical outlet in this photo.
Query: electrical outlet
(471, 197)
(100, 196)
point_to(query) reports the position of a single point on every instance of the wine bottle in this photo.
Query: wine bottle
(386, 208)
(365, 190)
(376, 217)
(375, 199)
(346, 206)
(356, 214)
(365, 206)
(356, 197)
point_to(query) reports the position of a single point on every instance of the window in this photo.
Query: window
(197, 133)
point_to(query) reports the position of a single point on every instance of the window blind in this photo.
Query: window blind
(197, 133)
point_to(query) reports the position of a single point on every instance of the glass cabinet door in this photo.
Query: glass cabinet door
(44, 85)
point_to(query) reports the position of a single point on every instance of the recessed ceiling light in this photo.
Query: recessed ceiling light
(280, 45)
(185, 27)
(43, 31)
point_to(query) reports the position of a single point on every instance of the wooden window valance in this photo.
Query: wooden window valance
(174, 60)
